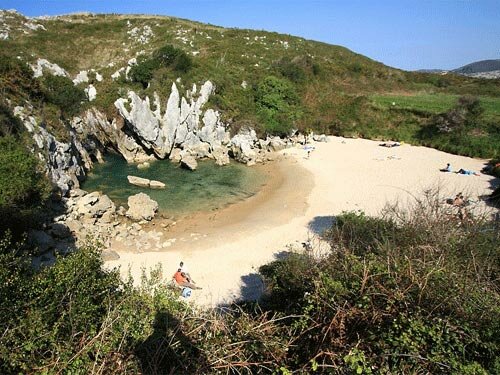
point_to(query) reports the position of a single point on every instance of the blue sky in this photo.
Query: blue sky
(407, 34)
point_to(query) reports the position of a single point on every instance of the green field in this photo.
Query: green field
(433, 103)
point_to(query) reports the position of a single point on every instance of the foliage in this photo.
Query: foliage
(61, 92)
(409, 293)
(167, 56)
(278, 104)
(21, 182)
(16, 78)
(9, 124)
(170, 56)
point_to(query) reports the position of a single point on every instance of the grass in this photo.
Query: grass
(432, 103)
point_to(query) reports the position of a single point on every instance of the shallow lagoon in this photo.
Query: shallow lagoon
(209, 187)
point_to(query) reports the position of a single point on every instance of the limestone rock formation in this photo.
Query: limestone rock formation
(242, 146)
(141, 207)
(188, 161)
(179, 126)
(43, 64)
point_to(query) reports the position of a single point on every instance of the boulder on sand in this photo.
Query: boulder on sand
(141, 207)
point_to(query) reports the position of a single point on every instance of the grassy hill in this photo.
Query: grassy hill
(331, 89)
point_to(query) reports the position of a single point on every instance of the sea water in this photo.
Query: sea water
(209, 187)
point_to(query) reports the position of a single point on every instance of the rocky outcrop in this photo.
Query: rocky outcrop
(179, 126)
(64, 161)
(141, 207)
(45, 65)
(91, 93)
(138, 181)
(242, 146)
(99, 133)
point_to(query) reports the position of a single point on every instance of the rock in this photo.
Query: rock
(242, 145)
(276, 144)
(81, 77)
(122, 211)
(103, 205)
(91, 92)
(108, 255)
(76, 193)
(43, 64)
(64, 247)
(141, 207)
(107, 218)
(94, 205)
(139, 181)
(41, 240)
(221, 156)
(144, 165)
(320, 138)
(156, 184)
(59, 230)
(175, 155)
(188, 161)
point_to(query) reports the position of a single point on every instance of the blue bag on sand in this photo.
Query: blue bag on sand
(186, 292)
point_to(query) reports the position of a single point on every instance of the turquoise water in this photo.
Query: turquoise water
(208, 188)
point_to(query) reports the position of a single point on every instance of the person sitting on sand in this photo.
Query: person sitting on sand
(182, 280)
(467, 172)
(459, 200)
(447, 168)
(184, 269)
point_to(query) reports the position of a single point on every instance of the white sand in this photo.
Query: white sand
(343, 174)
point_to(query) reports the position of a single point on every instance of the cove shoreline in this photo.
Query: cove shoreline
(341, 175)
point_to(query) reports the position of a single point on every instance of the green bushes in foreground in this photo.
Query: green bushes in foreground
(412, 292)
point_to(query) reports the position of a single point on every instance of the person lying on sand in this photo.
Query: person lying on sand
(394, 144)
(467, 172)
(181, 279)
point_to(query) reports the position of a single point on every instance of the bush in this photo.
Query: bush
(21, 182)
(143, 71)
(409, 293)
(61, 92)
(165, 57)
(277, 104)
(170, 56)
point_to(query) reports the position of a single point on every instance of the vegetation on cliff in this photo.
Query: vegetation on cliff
(329, 89)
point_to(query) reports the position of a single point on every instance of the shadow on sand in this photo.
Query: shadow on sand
(319, 224)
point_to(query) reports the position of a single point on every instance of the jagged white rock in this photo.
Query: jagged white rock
(43, 64)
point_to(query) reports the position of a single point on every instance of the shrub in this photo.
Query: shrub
(165, 57)
(9, 124)
(21, 182)
(143, 71)
(277, 104)
(61, 92)
(409, 293)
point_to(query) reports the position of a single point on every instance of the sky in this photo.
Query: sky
(406, 34)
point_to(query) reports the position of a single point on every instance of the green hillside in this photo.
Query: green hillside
(271, 81)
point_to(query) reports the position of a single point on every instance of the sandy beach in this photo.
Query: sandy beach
(224, 249)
